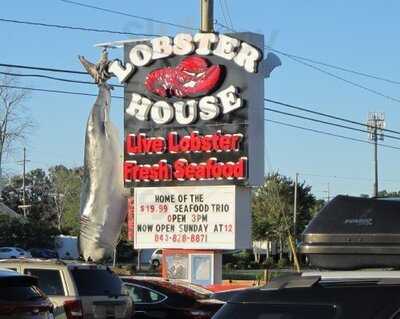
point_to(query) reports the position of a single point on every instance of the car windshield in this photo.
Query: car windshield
(267, 311)
(96, 282)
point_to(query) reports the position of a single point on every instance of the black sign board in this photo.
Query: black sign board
(194, 119)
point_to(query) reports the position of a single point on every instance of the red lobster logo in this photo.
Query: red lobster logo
(192, 77)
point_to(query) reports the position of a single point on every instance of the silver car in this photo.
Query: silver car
(77, 290)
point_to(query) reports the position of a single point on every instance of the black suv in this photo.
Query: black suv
(329, 295)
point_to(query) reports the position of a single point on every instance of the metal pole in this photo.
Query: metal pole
(376, 159)
(207, 16)
(296, 180)
(329, 193)
(23, 184)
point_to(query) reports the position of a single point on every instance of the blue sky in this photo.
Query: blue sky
(361, 35)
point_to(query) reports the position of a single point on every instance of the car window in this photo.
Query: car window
(49, 281)
(266, 311)
(19, 250)
(5, 250)
(141, 294)
(18, 289)
(96, 282)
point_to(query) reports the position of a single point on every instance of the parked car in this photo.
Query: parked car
(77, 290)
(156, 258)
(20, 297)
(155, 298)
(344, 295)
(13, 252)
(43, 253)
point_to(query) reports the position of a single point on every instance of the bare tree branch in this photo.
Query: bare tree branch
(15, 119)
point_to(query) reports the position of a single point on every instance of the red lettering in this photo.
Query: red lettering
(134, 172)
(210, 170)
(140, 144)
(195, 143)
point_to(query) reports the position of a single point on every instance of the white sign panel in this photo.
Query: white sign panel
(185, 217)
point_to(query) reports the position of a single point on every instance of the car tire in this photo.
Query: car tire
(155, 263)
(13, 257)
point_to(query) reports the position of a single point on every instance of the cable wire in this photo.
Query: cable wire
(68, 27)
(372, 76)
(326, 115)
(298, 60)
(54, 78)
(80, 4)
(53, 91)
(330, 134)
(223, 11)
(121, 86)
(268, 120)
(19, 66)
(325, 122)
(228, 13)
(373, 91)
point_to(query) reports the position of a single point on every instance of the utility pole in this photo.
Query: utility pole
(329, 192)
(376, 124)
(207, 16)
(296, 181)
(24, 206)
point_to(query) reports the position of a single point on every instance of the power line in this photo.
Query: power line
(120, 86)
(19, 66)
(68, 27)
(54, 78)
(53, 91)
(349, 178)
(223, 11)
(329, 134)
(324, 114)
(80, 4)
(324, 122)
(268, 120)
(363, 87)
(298, 60)
(372, 76)
(45, 77)
(121, 97)
(228, 12)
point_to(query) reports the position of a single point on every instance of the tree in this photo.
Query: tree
(53, 196)
(385, 193)
(26, 233)
(65, 190)
(15, 120)
(272, 208)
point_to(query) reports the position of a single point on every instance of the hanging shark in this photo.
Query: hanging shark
(103, 205)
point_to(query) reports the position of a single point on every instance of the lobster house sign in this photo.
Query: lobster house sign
(193, 110)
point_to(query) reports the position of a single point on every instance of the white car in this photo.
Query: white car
(13, 252)
(156, 257)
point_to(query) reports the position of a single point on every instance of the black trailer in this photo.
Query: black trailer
(353, 232)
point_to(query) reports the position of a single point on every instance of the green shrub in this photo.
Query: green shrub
(282, 263)
(268, 263)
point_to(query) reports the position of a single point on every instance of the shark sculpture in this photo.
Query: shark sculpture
(103, 205)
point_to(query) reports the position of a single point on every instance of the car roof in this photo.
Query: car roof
(354, 274)
(314, 288)
(57, 262)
